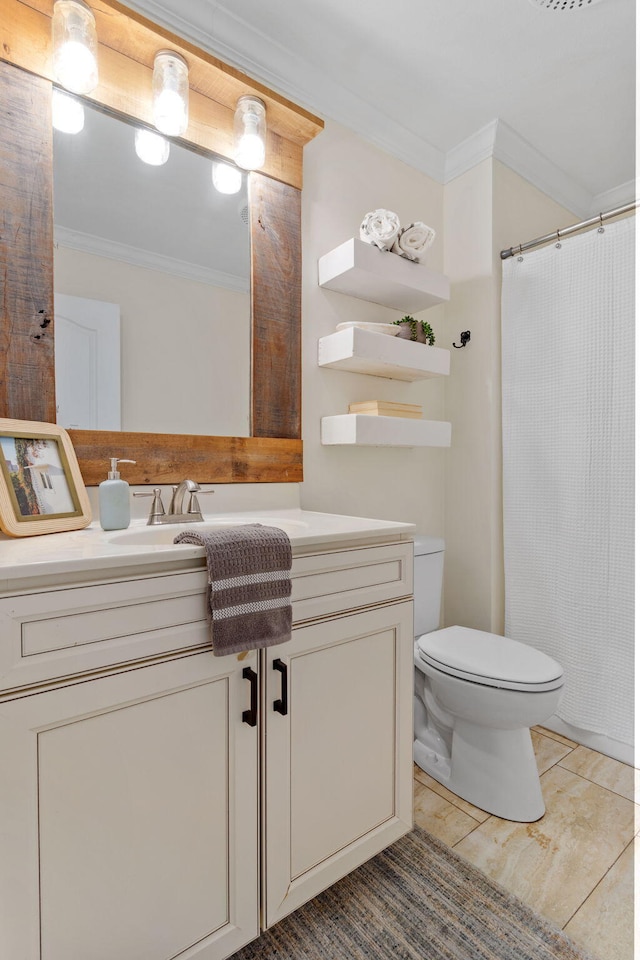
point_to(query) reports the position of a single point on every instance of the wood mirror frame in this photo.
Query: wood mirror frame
(127, 46)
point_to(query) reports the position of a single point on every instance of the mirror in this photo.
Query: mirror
(127, 46)
(151, 287)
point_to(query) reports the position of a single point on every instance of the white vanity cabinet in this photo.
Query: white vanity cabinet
(158, 801)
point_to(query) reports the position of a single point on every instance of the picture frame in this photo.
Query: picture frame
(41, 487)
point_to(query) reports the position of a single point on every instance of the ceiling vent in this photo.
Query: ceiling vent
(563, 4)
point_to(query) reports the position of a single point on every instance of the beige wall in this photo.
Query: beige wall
(487, 209)
(470, 400)
(184, 345)
(344, 178)
(455, 493)
(521, 212)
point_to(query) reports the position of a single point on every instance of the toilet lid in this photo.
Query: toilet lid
(489, 659)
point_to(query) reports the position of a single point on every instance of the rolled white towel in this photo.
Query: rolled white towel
(413, 241)
(380, 227)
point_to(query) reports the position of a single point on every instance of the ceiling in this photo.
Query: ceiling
(441, 84)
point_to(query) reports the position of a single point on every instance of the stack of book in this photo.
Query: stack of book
(387, 408)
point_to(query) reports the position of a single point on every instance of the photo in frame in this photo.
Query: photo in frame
(41, 487)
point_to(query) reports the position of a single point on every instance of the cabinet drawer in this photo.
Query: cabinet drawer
(331, 583)
(50, 635)
(46, 636)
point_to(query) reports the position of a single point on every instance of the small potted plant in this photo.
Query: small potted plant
(418, 330)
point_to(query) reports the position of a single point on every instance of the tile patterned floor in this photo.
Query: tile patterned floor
(575, 865)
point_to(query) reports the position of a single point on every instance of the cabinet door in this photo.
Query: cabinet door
(337, 753)
(129, 816)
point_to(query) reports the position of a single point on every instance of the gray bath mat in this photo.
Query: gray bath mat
(417, 900)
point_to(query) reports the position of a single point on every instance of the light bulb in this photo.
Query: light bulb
(249, 133)
(151, 147)
(250, 152)
(75, 46)
(67, 113)
(226, 179)
(170, 113)
(170, 93)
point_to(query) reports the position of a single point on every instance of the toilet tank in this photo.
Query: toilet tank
(427, 583)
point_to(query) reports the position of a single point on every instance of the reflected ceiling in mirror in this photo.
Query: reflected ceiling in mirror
(165, 257)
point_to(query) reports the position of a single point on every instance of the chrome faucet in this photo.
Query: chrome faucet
(176, 512)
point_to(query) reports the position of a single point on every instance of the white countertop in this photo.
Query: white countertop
(86, 553)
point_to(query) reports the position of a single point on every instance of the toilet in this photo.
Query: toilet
(476, 695)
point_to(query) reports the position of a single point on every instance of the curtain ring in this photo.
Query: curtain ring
(600, 228)
(520, 257)
(558, 244)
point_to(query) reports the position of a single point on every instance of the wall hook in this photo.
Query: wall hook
(465, 336)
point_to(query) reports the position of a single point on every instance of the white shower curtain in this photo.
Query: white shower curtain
(568, 446)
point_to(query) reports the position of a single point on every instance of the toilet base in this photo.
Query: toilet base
(494, 770)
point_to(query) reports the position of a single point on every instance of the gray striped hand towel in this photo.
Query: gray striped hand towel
(249, 585)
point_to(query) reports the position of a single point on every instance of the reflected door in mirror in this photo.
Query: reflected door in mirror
(87, 360)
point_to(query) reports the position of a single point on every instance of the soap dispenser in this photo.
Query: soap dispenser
(113, 498)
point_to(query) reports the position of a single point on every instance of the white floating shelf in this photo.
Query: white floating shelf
(380, 355)
(359, 429)
(361, 270)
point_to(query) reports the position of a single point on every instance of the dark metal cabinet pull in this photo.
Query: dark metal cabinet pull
(250, 716)
(281, 705)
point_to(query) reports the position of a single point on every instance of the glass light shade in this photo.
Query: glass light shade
(75, 46)
(249, 133)
(67, 113)
(151, 147)
(226, 179)
(170, 93)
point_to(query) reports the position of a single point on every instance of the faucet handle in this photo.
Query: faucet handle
(157, 506)
(194, 506)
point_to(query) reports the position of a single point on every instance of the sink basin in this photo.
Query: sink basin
(165, 534)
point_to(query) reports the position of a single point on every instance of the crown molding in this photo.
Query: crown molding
(523, 158)
(501, 142)
(472, 151)
(101, 247)
(617, 197)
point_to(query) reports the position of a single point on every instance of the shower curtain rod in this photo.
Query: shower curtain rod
(539, 241)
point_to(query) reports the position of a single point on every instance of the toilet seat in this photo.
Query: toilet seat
(489, 660)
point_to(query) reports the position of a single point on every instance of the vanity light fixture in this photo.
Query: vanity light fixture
(249, 133)
(170, 93)
(67, 113)
(151, 147)
(226, 178)
(75, 46)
